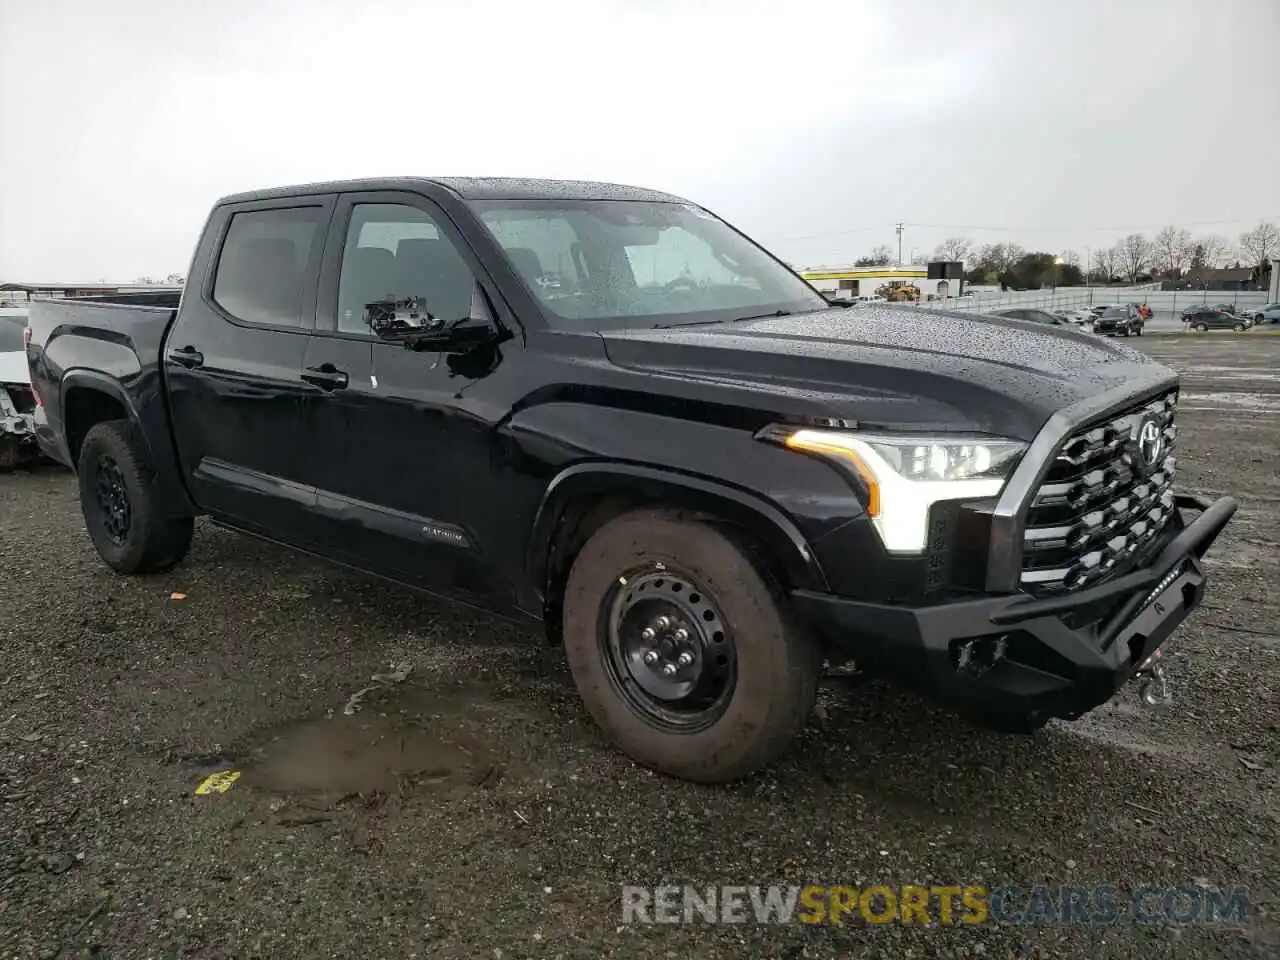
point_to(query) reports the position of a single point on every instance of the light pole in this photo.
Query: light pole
(1057, 266)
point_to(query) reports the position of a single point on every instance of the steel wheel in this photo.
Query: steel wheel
(112, 497)
(667, 649)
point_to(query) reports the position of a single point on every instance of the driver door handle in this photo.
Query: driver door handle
(187, 356)
(326, 377)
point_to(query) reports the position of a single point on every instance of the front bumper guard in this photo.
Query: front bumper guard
(1059, 656)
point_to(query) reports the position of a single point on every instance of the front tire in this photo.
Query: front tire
(683, 651)
(121, 511)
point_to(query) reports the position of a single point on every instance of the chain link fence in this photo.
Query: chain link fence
(1166, 305)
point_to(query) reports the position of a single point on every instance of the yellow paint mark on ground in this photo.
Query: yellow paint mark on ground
(218, 782)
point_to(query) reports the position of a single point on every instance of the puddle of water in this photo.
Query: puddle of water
(1261, 373)
(1253, 402)
(434, 741)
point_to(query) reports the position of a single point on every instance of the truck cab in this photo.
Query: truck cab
(605, 410)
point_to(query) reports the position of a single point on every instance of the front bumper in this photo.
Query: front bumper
(1056, 657)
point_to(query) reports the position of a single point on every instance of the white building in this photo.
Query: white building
(865, 281)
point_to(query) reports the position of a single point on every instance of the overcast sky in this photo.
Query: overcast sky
(814, 126)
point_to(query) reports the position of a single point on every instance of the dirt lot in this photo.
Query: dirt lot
(472, 810)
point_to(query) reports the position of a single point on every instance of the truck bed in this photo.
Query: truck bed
(136, 322)
(114, 339)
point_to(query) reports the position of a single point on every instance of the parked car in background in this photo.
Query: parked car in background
(17, 403)
(1119, 321)
(1206, 318)
(1034, 316)
(1266, 314)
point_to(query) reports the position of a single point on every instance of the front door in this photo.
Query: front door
(233, 362)
(399, 468)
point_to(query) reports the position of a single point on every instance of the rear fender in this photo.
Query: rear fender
(162, 459)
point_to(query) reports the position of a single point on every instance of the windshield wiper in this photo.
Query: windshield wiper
(691, 323)
(702, 323)
(763, 316)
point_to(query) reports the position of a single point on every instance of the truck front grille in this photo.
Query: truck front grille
(1096, 507)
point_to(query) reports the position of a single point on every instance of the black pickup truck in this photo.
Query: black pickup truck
(605, 409)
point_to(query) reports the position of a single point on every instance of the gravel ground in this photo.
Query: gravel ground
(473, 810)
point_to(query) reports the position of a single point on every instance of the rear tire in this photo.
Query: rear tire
(752, 676)
(121, 512)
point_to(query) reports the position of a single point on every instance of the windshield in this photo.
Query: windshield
(617, 263)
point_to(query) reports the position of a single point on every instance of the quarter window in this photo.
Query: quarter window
(398, 265)
(261, 272)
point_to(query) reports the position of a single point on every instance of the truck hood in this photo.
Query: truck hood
(13, 367)
(890, 367)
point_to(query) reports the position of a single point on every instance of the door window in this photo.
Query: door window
(261, 273)
(398, 265)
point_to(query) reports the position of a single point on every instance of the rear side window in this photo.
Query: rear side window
(261, 272)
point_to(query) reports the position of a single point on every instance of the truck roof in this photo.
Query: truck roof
(474, 188)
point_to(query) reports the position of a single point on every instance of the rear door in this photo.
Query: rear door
(233, 363)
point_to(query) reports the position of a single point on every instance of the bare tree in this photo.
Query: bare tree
(1260, 244)
(1209, 251)
(1071, 258)
(878, 257)
(1171, 249)
(1107, 259)
(953, 248)
(1134, 253)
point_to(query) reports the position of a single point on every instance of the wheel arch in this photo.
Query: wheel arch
(87, 398)
(584, 497)
(90, 398)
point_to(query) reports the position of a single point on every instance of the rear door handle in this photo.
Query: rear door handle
(187, 356)
(326, 377)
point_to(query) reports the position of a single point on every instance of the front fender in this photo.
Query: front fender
(654, 485)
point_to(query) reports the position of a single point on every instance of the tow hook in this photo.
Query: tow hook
(1153, 683)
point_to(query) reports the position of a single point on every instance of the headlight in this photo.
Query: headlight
(906, 475)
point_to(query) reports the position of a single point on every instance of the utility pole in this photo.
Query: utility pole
(898, 229)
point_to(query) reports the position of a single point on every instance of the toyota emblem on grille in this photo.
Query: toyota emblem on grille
(1149, 445)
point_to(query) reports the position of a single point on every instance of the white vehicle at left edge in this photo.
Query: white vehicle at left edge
(17, 401)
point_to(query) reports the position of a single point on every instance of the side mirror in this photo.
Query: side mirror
(459, 336)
